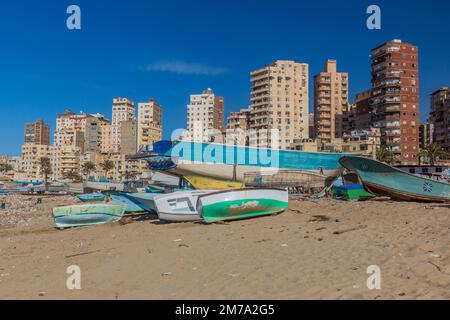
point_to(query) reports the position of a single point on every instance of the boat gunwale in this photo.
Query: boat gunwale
(401, 194)
(394, 169)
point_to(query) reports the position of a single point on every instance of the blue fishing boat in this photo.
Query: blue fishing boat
(130, 204)
(4, 191)
(145, 200)
(86, 215)
(91, 197)
(384, 180)
(230, 162)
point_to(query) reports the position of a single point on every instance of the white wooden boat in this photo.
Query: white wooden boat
(242, 204)
(179, 206)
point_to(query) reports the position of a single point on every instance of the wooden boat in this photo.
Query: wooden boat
(130, 204)
(91, 197)
(229, 162)
(4, 191)
(179, 206)
(203, 183)
(384, 180)
(145, 200)
(286, 179)
(241, 204)
(85, 215)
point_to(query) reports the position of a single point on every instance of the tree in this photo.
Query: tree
(87, 168)
(433, 152)
(130, 175)
(384, 155)
(46, 168)
(107, 166)
(72, 175)
(5, 167)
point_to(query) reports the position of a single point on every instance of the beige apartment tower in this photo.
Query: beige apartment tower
(280, 101)
(205, 116)
(122, 110)
(149, 123)
(330, 101)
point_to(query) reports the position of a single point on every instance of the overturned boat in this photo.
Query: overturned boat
(230, 162)
(86, 215)
(384, 180)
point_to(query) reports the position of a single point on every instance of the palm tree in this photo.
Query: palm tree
(72, 175)
(87, 168)
(384, 155)
(46, 168)
(433, 152)
(5, 167)
(107, 166)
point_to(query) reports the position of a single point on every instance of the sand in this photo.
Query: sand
(317, 250)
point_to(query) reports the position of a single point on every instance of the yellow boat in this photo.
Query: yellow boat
(203, 183)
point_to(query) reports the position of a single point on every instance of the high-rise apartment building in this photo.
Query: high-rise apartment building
(426, 132)
(280, 101)
(440, 116)
(149, 123)
(128, 137)
(37, 133)
(239, 120)
(205, 116)
(122, 110)
(395, 98)
(330, 100)
(93, 132)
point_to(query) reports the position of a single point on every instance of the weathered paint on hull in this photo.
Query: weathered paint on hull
(81, 220)
(242, 209)
(130, 205)
(227, 172)
(384, 180)
(85, 215)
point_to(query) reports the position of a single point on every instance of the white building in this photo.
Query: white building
(149, 123)
(122, 110)
(205, 116)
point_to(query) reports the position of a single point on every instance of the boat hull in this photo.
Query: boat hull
(228, 162)
(179, 206)
(384, 180)
(86, 215)
(91, 197)
(145, 200)
(130, 204)
(241, 204)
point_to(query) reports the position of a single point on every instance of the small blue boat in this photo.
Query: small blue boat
(384, 180)
(91, 197)
(4, 191)
(130, 204)
(86, 215)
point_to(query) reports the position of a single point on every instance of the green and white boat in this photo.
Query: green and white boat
(241, 204)
(86, 215)
(384, 180)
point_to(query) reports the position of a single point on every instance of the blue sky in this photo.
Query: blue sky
(170, 49)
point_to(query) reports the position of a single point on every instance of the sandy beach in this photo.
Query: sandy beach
(317, 249)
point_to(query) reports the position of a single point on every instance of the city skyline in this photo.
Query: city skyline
(70, 70)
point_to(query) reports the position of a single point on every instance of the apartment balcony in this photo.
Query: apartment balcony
(395, 108)
(263, 89)
(265, 97)
(260, 105)
(262, 76)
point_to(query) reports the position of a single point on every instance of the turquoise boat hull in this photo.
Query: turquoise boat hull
(229, 162)
(86, 215)
(384, 180)
(93, 197)
(145, 200)
(130, 204)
